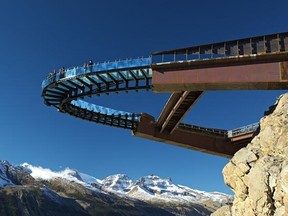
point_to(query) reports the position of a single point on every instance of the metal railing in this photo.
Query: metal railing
(243, 130)
(211, 131)
(219, 132)
(267, 44)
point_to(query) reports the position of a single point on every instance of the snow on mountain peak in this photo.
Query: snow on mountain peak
(154, 181)
(156, 188)
(68, 174)
(40, 172)
(150, 187)
(4, 162)
(118, 182)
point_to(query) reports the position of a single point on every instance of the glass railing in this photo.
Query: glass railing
(170, 58)
(243, 130)
(105, 110)
(97, 67)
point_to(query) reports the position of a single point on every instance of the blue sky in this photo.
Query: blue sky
(38, 36)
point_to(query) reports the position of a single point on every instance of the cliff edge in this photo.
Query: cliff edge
(258, 173)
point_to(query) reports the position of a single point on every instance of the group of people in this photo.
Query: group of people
(52, 75)
(62, 70)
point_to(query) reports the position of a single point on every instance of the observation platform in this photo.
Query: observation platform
(251, 63)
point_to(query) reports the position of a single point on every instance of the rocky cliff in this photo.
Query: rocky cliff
(258, 173)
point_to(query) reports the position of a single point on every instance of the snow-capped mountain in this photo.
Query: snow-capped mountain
(4, 179)
(146, 188)
(162, 194)
(120, 183)
(68, 174)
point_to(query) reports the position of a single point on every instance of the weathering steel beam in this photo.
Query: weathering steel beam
(215, 145)
(176, 108)
(264, 76)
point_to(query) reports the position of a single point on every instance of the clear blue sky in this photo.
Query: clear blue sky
(38, 36)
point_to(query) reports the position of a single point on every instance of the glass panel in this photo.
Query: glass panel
(218, 50)
(78, 82)
(70, 72)
(80, 70)
(193, 53)
(125, 74)
(49, 97)
(148, 72)
(130, 77)
(156, 58)
(86, 80)
(116, 76)
(105, 77)
(105, 110)
(231, 48)
(96, 79)
(98, 67)
(69, 84)
(137, 74)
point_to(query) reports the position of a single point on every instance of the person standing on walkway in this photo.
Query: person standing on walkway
(90, 64)
(85, 67)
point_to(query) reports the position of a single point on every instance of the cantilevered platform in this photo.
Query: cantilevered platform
(250, 63)
(208, 140)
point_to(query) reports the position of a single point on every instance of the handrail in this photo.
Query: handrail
(247, 129)
(267, 44)
(211, 131)
(243, 130)
(97, 67)
(105, 110)
(65, 88)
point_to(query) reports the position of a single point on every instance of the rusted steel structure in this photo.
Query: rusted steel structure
(207, 140)
(265, 76)
(175, 109)
(250, 63)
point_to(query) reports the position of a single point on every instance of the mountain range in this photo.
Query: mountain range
(29, 190)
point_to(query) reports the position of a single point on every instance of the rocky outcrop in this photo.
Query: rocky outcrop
(258, 173)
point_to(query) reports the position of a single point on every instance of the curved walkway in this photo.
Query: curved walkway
(66, 89)
(63, 89)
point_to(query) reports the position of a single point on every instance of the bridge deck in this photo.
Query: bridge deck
(251, 63)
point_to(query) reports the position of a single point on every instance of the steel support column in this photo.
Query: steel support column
(176, 108)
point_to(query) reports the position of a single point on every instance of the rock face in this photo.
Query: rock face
(258, 173)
